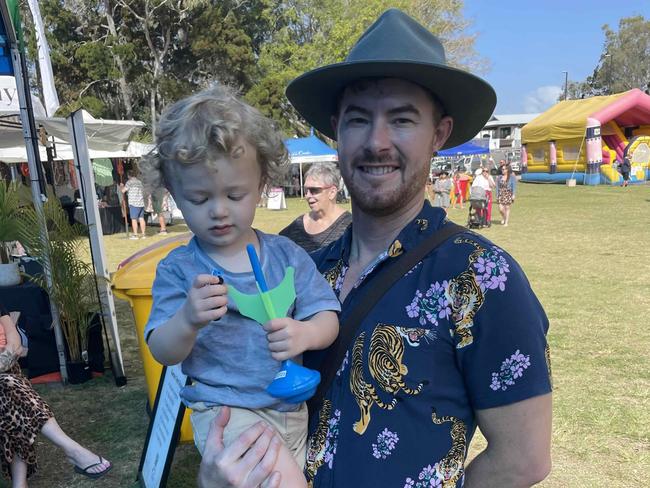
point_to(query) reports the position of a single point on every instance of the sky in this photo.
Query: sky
(528, 44)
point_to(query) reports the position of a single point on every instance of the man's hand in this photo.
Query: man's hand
(206, 301)
(246, 463)
(287, 338)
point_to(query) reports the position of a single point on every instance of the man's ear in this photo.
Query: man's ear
(442, 132)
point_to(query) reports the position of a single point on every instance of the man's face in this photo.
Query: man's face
(386, 136)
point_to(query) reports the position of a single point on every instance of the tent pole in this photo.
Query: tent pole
(33, 162)
(301, 192)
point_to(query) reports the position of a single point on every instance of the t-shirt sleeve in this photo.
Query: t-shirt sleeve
(313, 292)
(508, 359)
(169, 293)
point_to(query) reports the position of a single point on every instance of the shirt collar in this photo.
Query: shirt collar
(428, 220)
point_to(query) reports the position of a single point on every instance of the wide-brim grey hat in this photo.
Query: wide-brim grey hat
(396, 46)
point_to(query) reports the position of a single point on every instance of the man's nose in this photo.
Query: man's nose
(379, 137)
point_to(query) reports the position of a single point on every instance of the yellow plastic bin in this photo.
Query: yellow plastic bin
(133, 282)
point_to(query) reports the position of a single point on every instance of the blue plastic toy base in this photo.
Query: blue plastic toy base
(294, 383)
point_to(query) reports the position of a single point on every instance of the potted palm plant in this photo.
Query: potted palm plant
(9, 210)
(72, 286)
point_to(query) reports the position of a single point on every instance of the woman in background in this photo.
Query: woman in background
(506, 184)
(23, 414)
(326, 221)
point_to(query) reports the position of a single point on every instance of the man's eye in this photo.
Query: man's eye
(356, 121)
(402, 121)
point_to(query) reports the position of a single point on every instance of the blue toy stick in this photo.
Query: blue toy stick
(293, 383)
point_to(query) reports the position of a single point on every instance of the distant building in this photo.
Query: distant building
(504, 131)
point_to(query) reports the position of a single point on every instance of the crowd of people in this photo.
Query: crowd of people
(446, 192)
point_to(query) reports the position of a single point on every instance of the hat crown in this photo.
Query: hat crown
(396, 36)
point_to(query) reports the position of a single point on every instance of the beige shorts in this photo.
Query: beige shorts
(292, 426)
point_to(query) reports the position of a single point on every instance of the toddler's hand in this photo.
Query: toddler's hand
(286, 338)
(206, 301)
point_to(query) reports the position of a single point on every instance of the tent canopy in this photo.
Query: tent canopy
(568, 119)
(475, 146)
(309, 150)
(103, 135)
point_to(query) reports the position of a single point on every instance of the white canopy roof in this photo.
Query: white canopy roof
(18, 154)
(103, 135)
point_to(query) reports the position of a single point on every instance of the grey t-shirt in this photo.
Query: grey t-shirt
(230, 362)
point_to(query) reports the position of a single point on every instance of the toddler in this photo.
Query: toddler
(214, 154)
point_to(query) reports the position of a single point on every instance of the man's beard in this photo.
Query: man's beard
(384, 204)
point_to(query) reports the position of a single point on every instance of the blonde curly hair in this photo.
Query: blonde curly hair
(204, 127)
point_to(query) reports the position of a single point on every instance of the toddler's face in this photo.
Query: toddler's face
(218, 201)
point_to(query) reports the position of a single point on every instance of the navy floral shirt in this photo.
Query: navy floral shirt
(460, 332)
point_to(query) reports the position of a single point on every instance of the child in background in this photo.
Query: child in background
(214, 154)
(135, 193)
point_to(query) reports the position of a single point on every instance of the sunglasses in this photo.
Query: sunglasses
(315, 190)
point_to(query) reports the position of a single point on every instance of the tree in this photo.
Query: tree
(313, 33)
(624, 63)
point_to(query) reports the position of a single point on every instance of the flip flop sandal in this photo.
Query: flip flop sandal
(99, 474)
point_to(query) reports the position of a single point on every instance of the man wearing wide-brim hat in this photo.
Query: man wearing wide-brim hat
(459, 341)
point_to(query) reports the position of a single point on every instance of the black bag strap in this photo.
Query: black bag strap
(381, 284)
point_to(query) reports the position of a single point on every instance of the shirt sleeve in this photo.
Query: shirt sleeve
(313, 292)
(169, 294)
(508, 359)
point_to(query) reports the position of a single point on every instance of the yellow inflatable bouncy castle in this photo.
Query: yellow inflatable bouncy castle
(582, 139)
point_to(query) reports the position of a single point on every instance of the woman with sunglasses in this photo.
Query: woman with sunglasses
(326, 221)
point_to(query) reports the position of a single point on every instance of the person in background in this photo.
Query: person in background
(441, 191)
(506, 185)
(458, 189)
(326, 221)
(458, 343)
(135, 193)
(483, 180)
(625, 168)
(24, 414)
(160, 207)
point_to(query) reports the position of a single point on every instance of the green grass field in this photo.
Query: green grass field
(586, 251)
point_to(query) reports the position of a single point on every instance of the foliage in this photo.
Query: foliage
(624, 63)
(48, 236)
(9, 210)
(314, 33)
(131, 58)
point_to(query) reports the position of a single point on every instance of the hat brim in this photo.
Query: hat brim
(468, 99)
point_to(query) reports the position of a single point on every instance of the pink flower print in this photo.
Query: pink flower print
(427, 478)
(431, 306)
(386, 442)
(413, 310)
(511, 369)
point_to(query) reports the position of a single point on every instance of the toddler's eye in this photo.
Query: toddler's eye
(198, 202)
(236, 198)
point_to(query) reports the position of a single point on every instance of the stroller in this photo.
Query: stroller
(478, 203)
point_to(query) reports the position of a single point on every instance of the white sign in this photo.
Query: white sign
(164, 428)
(9, 99)
(276, 199)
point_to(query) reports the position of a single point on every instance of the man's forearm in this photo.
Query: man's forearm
(491, 470)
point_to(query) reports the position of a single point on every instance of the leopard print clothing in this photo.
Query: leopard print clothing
(22, 416)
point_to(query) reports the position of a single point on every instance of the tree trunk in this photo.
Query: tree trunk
(152, 106)
(124, 87)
